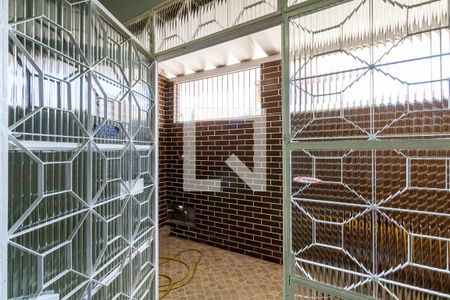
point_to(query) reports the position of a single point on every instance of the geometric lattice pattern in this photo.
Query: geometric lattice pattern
(142, 28)
(377, 221)
(81, 199)
(182, 21)
(370, 75)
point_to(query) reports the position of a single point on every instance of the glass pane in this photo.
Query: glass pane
(356, 213)
(181, 21)
(224, 96)
(357, 72)
(81, 155)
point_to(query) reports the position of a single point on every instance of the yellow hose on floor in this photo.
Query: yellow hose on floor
(165, 289)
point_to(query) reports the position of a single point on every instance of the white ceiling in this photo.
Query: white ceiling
(257, 45)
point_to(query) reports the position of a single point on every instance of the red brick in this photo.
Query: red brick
(236, 219)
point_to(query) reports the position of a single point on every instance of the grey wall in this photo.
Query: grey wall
(127, 9)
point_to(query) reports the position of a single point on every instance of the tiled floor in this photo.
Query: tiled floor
(220, 274)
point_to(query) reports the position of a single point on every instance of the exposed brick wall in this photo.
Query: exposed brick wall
(237, 218)
(165, 94)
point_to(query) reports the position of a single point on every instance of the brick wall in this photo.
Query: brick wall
(236, 218)
(165, 99)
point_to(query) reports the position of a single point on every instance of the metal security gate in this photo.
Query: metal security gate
(367, 156)
(82, 207)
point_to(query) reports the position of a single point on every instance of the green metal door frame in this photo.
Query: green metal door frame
(282, 17)
(290, 280)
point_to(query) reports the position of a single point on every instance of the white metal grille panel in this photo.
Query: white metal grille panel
(225, 96)
(182, 21)
(371, 75)
(81, 155)
(374, 221)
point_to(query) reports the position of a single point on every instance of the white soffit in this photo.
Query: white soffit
(252, 47)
